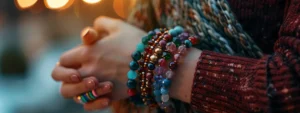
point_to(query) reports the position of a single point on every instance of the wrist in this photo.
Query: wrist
(183, 80)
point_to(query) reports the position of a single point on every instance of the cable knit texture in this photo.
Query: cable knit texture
(231, 84)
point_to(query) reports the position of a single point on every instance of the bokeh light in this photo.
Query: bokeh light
(23, 4)
(123, 7)
(58, 4)
(91, 1)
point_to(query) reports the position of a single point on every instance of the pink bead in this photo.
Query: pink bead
(160, 70)
(182, 49)
(169, 74)
(176, 57)
(171, 47)
(162, 62)
(149, 76)
(162, 43)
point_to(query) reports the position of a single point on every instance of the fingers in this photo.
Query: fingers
(72, 58)
(106, 24)
(88, 84)
(98, 104)
(71, 90)
(67, 75)
(89, 36)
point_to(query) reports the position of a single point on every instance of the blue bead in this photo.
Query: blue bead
(131, 75)
(172, 32)
(157, 30)
(157, 85)
(145, 40)
(84, 99)
(134, 65)
(188, 43)
(177, 41)
(156, 92)
(158, 98)
(136, 55)
(151, 66)
(164, 91)
(131, 83)
(178, 30)
(166, 83)
(151, 33)
(140, 47)
(157, 77)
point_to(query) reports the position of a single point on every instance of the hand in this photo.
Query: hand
(108, 58)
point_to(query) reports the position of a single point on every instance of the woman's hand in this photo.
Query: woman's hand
(106, 60)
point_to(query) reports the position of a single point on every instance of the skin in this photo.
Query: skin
(101, 63)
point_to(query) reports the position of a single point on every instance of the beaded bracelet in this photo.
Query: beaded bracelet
(134, 65)
(149, 66)
(161, 44)
(162, 83)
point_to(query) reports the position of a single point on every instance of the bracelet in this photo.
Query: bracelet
(150, 61)
(135, 97)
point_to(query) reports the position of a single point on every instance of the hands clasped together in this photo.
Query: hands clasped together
(100, 63)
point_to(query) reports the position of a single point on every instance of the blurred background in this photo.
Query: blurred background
(33, 34)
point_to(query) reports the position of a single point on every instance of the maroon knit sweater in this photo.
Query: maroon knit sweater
(231, 84)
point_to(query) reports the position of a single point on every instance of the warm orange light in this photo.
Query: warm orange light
(123, 7)
(91, 1)
(58, 4)
(23, 4)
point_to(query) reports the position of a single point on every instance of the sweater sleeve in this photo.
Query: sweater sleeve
(232, 84)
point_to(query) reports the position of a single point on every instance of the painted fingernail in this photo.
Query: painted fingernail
(106, 87)
(91, 84)
(75, 78)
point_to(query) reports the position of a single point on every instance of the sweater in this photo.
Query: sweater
(231, 84)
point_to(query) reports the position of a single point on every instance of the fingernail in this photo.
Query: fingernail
(86, 33)
(106, 87)
(91, 84)
(75, 78)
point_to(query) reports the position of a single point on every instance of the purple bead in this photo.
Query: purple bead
(171, 47)
(182, 49)
(176, 57)
(162, 43)
(185, 35)
(169, 74)
(160, 70)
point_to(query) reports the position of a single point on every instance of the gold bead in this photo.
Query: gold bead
(158, 51)
(153, 58)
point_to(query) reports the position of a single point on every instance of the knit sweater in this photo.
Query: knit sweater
(232, 84)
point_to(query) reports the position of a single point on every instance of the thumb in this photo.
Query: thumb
(89, 36)
(107, 24)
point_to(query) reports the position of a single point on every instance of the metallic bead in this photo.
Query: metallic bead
(158, 50)
(153, 58)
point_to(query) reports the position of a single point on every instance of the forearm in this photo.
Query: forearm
(183, 80)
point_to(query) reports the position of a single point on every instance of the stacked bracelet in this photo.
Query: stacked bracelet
(150, 59)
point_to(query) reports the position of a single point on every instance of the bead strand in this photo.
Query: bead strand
(149, 66)
(134, 65)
